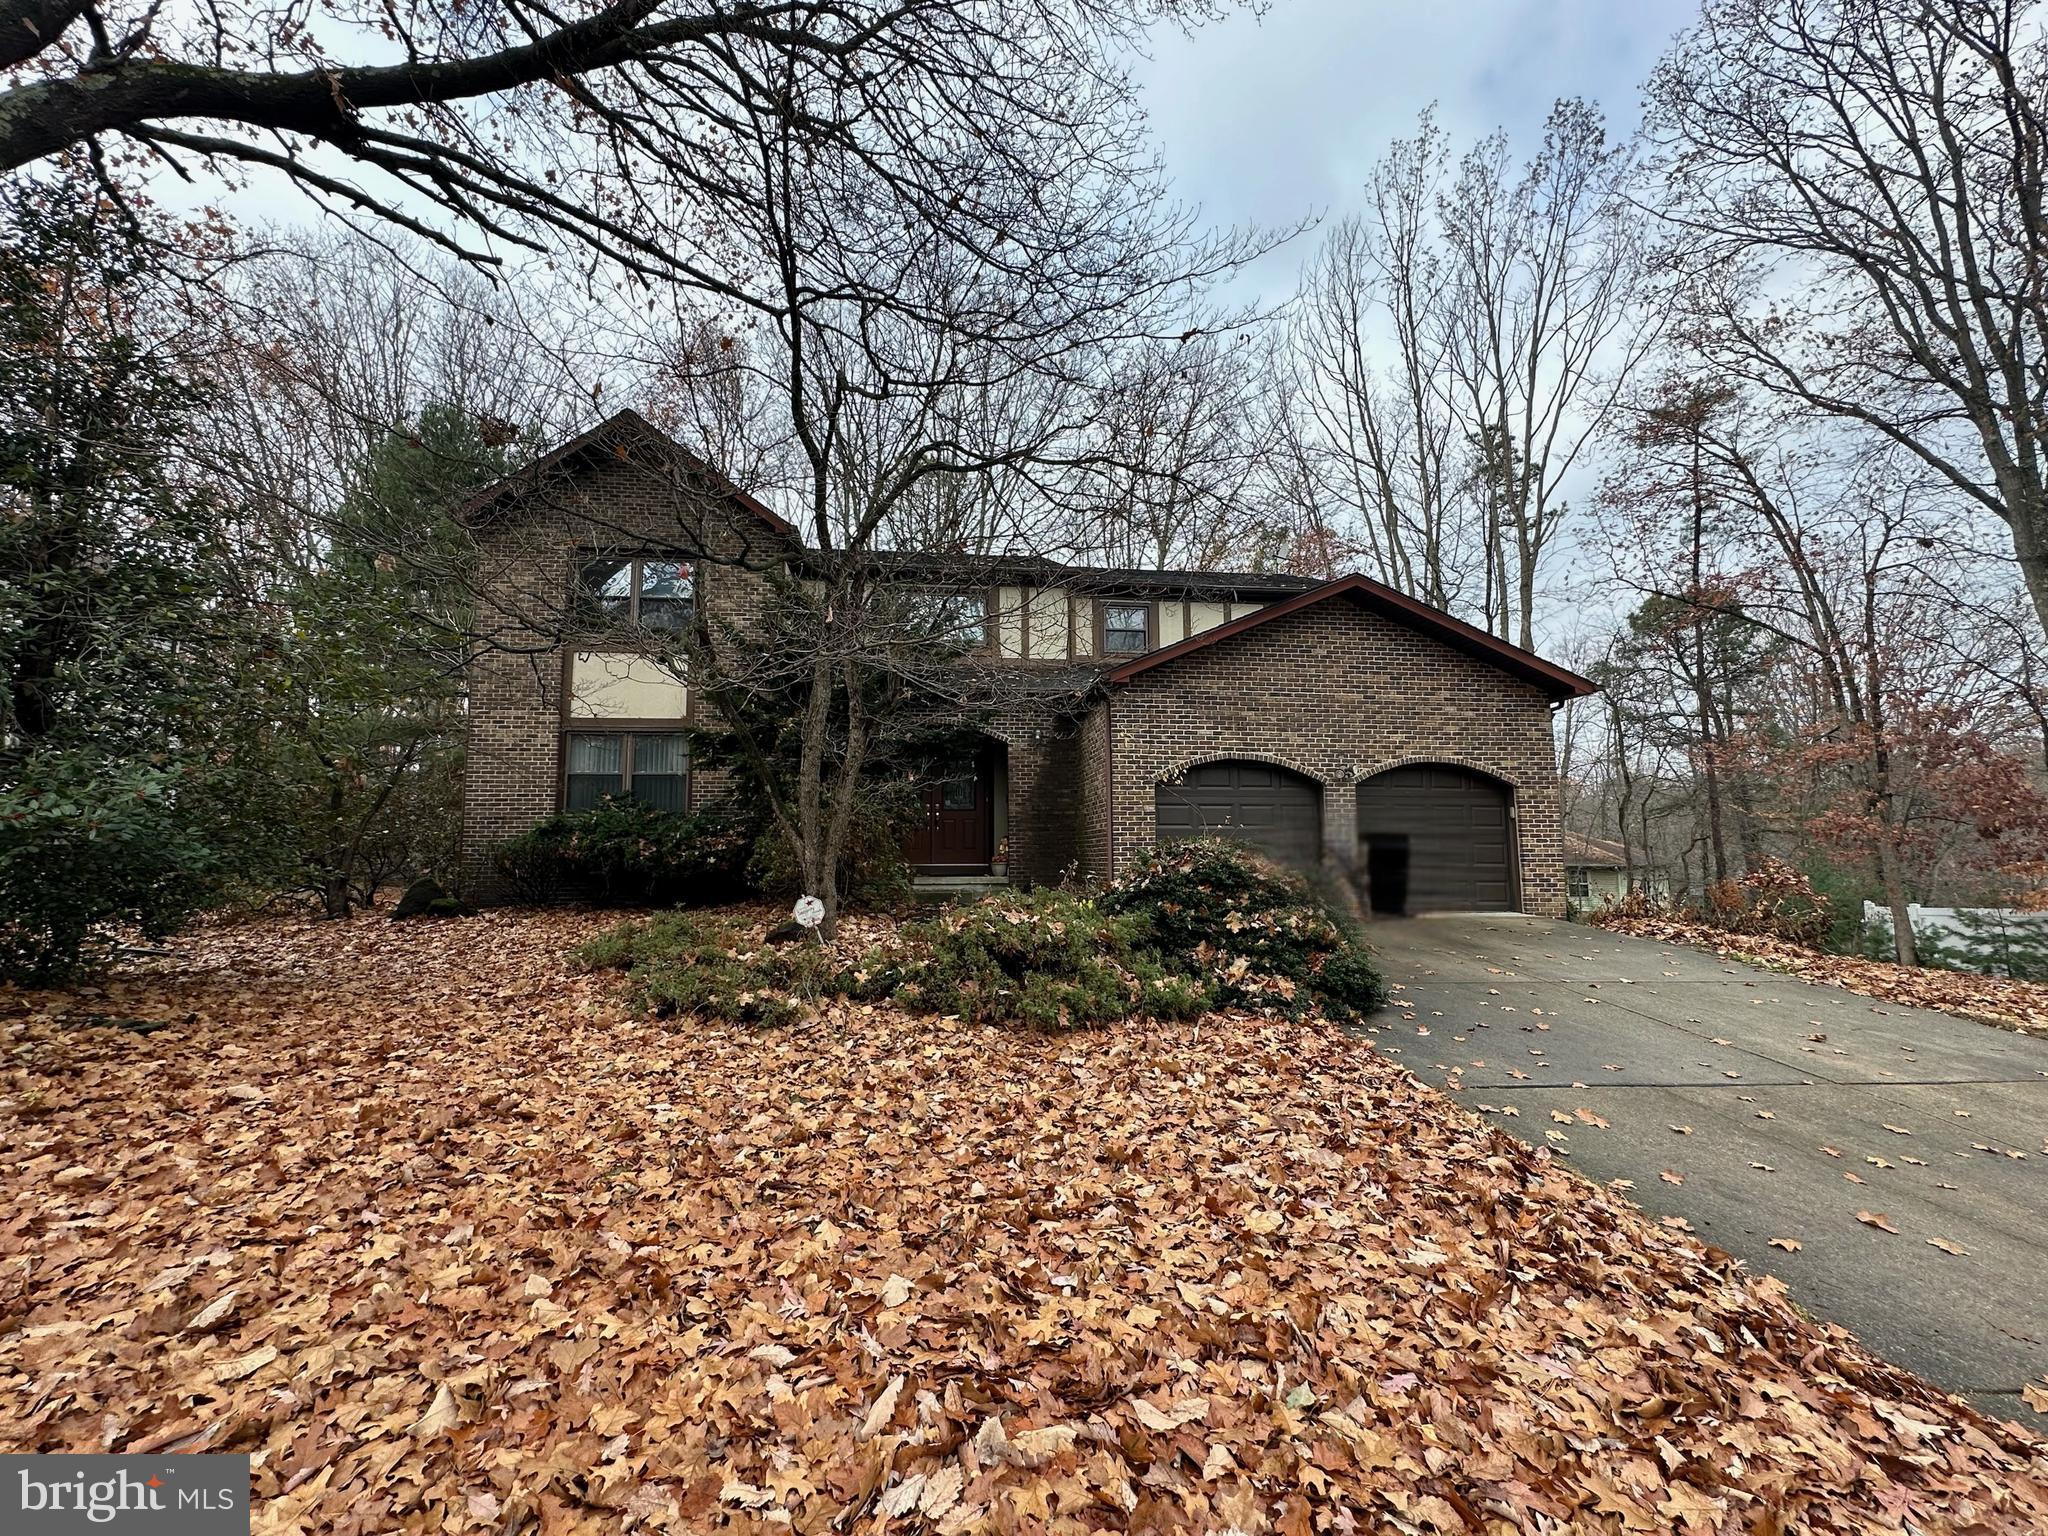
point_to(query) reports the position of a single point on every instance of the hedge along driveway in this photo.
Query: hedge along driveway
(1889, 1164)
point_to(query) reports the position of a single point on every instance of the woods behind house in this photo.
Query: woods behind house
(1739, 416)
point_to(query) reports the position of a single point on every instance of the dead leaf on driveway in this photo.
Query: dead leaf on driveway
(1789, 1244)
(1876, 1219)
(1946, 1246)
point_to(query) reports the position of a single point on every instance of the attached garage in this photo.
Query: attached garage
(1268, 808)
(1435, 838)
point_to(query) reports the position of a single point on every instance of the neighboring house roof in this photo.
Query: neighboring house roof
(1590, 852)
(618, 435)
(1384, 600)
(1597, 853)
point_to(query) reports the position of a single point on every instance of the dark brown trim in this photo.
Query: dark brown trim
(620, 431)
(1553, 679)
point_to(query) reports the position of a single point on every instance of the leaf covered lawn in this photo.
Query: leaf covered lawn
(2016, 1005)
(448, 1242)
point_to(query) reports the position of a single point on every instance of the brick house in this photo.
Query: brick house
(1338, 723)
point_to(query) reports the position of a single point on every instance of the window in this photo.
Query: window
(652, 767)
(953, 619)
(653, 593)
(1578, 884)
(1126, 628)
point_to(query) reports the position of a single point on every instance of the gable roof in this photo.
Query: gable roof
(618, 434)
(1398, 606)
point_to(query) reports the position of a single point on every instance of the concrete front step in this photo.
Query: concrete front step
(946, 887)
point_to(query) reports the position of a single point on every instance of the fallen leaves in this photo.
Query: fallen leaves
(2000, 1000)
(1876, 1219)
(1789, 1244)
(487, 1254)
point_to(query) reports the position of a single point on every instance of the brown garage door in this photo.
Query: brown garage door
(1435, 839)
(1277, 812)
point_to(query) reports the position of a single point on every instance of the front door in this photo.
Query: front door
(955, 832)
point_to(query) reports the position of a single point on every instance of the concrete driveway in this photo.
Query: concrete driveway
(1784, 1109)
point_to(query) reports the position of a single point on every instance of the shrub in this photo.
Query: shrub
(1254, 932)
(1051, 959)
(680, 965)
(625, 853)
(1199, 927)
(84, 850)
(1774, 900)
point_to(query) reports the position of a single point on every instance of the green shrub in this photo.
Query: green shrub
(684, 966)
(1199, 927)
(84, 849)
(625, 853)
(1048, 959)
(1257, 934)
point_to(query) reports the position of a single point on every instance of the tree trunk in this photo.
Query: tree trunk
(2028, 515)
(1904, 946)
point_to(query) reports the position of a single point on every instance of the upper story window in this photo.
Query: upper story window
(651, 592)
(1126, 628)
(954, 619)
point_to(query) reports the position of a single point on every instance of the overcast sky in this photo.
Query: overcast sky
(1265, 119)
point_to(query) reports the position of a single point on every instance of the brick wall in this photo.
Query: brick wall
(527, 554)
(1339, 694)
(1092, 769)
(1039, 742)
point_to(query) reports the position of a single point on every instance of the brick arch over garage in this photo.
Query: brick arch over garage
(1432, 759)
(1251, 755)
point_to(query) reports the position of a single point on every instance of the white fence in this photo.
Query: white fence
(1999, 941)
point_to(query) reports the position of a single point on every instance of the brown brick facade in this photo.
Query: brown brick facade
(527, 557)
(1338, 694)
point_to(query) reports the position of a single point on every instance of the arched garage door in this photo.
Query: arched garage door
(1434, 838)
(1277, 812)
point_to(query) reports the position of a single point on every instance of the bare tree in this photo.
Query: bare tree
(1463, 344)
(1819, 642)
(1186, 429)
(516, 126)
(902, 375)
(1856, 219)
(1370, 339)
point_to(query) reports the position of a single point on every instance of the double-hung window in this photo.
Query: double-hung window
(646, 591)
(1126, 629)
(652, 767)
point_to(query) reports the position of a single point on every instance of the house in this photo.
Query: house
(1336, 723)
(1597, 872)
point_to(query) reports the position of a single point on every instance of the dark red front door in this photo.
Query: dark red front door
(955, 831)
